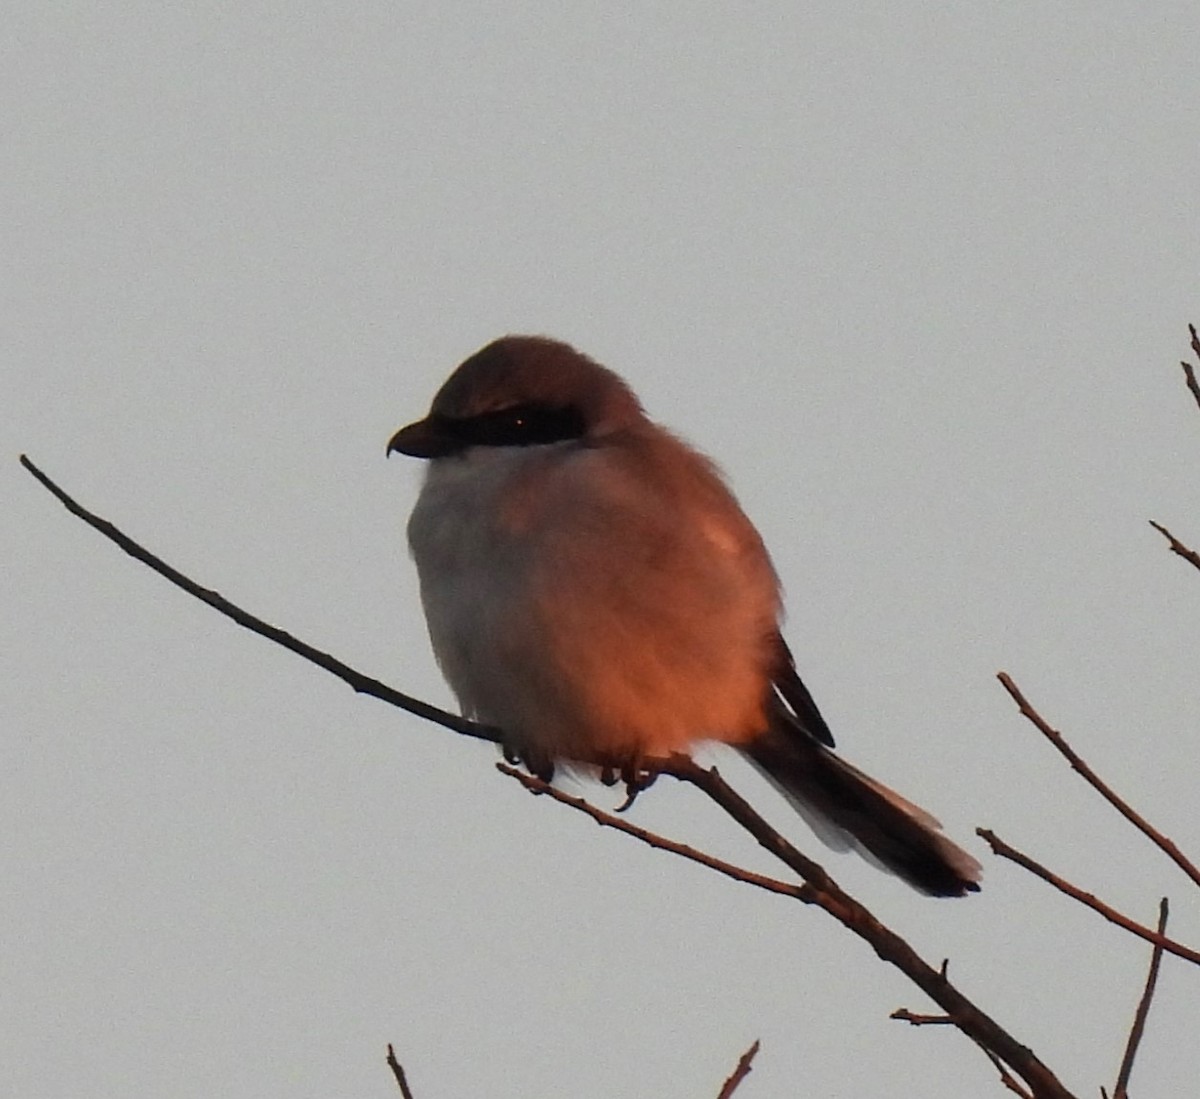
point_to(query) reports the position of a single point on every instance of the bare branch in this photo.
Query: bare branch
(1136, 819)
(398, 1072)
(1176, 546)
(363, 684)
(1120, 1091)
(1109, 913)
(740, 1072)
(820, 888)
(536, 785)
(889, 946)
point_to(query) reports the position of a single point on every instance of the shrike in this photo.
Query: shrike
(593, 590)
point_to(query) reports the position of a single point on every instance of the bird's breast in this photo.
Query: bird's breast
(586, 611)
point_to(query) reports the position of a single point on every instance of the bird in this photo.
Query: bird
(593, 590)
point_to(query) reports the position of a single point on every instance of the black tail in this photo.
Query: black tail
(864, 813)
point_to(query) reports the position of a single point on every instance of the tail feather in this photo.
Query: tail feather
(849, 808)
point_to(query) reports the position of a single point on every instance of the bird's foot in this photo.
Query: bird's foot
(636, 779)
(535, 763)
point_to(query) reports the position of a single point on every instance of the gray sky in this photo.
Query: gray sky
(917, 276)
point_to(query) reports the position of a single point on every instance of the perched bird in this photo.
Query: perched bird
(593, 590)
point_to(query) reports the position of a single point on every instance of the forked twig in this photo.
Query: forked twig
(818, 889)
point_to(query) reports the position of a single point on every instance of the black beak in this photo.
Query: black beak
(427, 438)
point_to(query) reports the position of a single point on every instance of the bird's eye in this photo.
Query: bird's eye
(521, 425)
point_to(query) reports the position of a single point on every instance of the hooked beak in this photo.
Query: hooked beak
(427, 438)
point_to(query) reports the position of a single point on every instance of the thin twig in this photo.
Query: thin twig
(1006, 1077)
(1136, 819)
(1002, 849)
(902, 1014)
(536, 785)
(911, 1017)
(740, 1072)
(1176, 546)
(363, 684)
(1121, 1090)
(398, 1072)
(825, 892)
(1188, 372)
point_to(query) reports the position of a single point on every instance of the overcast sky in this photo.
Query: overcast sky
(917, 276)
